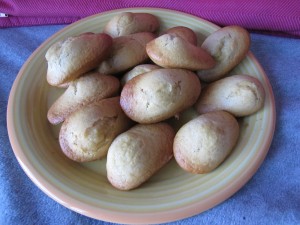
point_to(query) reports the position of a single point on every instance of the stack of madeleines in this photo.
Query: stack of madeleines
(124, 86)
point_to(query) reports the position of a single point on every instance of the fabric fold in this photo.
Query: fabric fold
(282, 17)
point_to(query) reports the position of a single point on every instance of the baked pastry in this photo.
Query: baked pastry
(159, 94)
(129, 23)
(203, 143)
(86, 89)
(172, 51)
(137, 70)
(228, 46)
(126, 52)
(76, 55)
(137, 154)
(184, 32)
(241, 95)
(88, 132)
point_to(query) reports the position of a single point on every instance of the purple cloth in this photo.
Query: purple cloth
(276, 16)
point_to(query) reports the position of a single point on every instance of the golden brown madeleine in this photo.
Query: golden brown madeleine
(137, 154)
(228, 46)
(184, 32)
(88, 132)
(127, 52)
(129, 23)
(137, 70)
(81, 92)
(172, 51)
(241, 95)
(76, 55)
(203, 143)
(159, 94)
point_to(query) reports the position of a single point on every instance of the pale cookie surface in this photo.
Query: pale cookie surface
(202, 144)
(81, 92)
(172, 51)
(137, 70)
(228, 46)
(129, 23)
(126, 52)
(88, 132)
(184, 32)
(76, 55)
(135, 155)
(241, 95)
(159, 94)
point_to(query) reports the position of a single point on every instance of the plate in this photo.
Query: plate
(171, 194)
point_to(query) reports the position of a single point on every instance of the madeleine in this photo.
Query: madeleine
(203, 143)
(159, 94)
(137, 154)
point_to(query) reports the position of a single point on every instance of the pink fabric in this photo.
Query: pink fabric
(280, 16)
